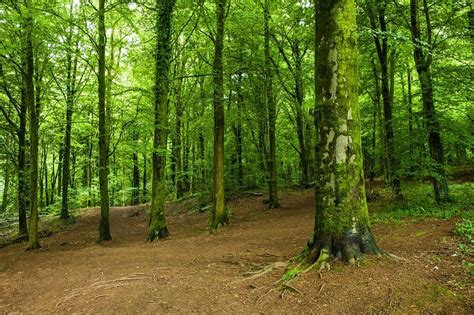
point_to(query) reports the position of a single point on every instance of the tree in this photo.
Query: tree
(270, 102)
(219, 215)
(157, 228)
(423, 60)
(70, 95)
(33, 242)
(104, 226)
(341, 222)
(377, 12)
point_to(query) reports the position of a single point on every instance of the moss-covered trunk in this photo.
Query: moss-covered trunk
(104, 226)
(157, 228)
(341, 220)
(219, 215)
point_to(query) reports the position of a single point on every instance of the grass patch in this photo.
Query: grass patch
(419, 204)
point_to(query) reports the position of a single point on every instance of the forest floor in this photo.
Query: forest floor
(195, 271)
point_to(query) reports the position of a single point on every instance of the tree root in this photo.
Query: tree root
(392, 256)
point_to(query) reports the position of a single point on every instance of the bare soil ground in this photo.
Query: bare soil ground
(195, 271)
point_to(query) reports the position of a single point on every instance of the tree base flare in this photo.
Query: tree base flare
(33, 246)
(158, 234)
(349, 248)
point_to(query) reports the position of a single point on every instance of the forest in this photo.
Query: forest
(231, 156)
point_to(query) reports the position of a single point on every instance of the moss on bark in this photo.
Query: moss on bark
(341, 220)
(157, 227)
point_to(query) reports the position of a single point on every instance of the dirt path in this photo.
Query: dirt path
(195, 271)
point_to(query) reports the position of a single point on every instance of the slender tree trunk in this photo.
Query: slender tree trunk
(71, 69)
(145, 177)
(341, 221)
(59, 172)
(376, 117)
(300, 119)
(410, 108)
(33, 242)
(381, 44)
(220, 214)
(423, 61)
(45, 172)
(238, 132)
(157, 228)
(23, 171)
(6, 185)
(177, 146)
(104, 226)
(202, 162)
(90, 147)
(270, 102)
(41, 177)
(201, 143)
(186, 152)
(136, 172)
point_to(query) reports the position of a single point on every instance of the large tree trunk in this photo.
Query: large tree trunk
(220, 214)
(157, 228)
(33, 242)
(104, 225)
(341, 222)
(423, 61)
(270, 102)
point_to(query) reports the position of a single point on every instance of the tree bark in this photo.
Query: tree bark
(33, 242)
(381, 44)
(270, 102)
(237, 129)
(341, 221)
(157, 228)
(423, 61)
(176, 160)
(145, 177)
(220, 214)
(23, 170)
(6, 185)
(104, 225)
(136, 172)
(71, 69)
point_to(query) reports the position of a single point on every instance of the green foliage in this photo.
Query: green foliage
(466, 231)
(419, 204)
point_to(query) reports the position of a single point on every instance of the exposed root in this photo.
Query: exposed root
(267, 269)
(394, 257)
